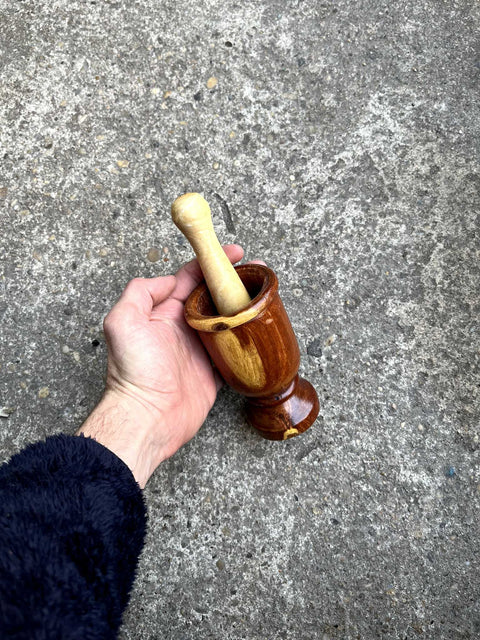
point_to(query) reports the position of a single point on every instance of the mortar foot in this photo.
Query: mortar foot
(287, 415)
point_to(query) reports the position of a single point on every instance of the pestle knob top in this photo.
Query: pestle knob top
(191, 213)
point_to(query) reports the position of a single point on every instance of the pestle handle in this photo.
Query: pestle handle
(192, 216)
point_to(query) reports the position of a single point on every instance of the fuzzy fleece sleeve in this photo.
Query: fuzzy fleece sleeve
(72, 525)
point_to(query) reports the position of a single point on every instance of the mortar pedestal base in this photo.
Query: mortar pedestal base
(287, 415)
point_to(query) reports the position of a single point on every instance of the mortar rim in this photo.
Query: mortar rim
(214, 324)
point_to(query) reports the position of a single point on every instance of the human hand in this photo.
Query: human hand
(160, 382)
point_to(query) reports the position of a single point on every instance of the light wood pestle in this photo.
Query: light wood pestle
(192, 216)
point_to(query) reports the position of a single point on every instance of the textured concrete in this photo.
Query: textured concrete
(340, 143)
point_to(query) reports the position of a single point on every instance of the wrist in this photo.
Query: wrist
(126, 427)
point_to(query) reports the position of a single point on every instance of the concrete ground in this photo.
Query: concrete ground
(338, 141)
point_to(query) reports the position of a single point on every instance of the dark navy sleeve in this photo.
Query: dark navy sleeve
(72, 526)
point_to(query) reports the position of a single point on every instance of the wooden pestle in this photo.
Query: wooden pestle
(192, 216)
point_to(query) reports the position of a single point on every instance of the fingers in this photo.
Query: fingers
(141, 295)
(256, 262)
(145, 293)
(190, 274)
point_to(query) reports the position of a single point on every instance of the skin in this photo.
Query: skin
(160, 383)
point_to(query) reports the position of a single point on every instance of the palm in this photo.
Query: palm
(156, 357)
(165, 359)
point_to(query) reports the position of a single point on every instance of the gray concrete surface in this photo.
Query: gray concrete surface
(340, 143)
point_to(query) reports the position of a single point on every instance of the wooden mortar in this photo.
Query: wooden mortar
(256, 352)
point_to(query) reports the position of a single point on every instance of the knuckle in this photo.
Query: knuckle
(107, 322)
(135, 283)
(110, 321)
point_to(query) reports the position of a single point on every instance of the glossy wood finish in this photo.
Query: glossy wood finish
(257, 354)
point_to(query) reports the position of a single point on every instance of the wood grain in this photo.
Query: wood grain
(257, 354)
